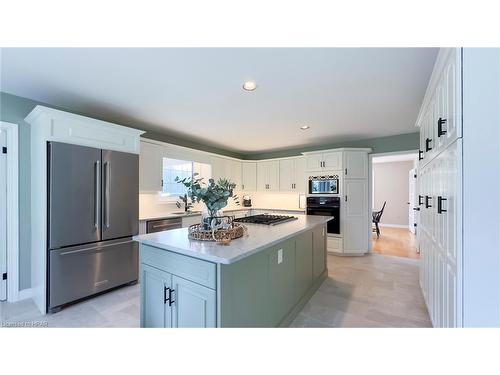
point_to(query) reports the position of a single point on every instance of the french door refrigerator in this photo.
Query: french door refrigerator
(93, 212)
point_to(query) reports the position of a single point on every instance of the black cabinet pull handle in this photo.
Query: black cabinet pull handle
(166, 295)
(170, 297)
(416, 208)
(346, 171)
(346, 198)
(427, 205)
(427, 144)
(440, 205)
(420, 197)
(420, 155)
(441, 122)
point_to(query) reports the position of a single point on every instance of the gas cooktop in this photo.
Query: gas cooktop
(266, 219)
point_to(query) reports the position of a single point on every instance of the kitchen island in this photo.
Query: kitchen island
(260, 280)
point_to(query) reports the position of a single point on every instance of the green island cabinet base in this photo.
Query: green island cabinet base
(265, 289)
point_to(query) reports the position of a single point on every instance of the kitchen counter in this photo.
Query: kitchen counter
(169, 215)
(258, 237)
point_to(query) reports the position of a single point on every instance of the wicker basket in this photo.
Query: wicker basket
(222, 236)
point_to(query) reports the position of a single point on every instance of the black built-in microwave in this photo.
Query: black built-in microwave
(324, 184)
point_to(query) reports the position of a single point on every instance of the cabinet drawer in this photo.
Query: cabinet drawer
(334, 245)
(199, 271)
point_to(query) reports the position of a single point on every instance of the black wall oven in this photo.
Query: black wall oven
(326, 206)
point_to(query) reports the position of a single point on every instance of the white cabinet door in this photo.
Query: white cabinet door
(218, 167)
(355, 220)
(299, 175)
(248, 176)
(452, 88)
(274, 175)
(203, 171)
(314, 163)
(332, 161)
(356, 164)
(262, 175)
(150, 167)
(235, 175)
(287, 174)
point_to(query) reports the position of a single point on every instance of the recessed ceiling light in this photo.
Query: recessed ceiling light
(249, 86)
(305, 127)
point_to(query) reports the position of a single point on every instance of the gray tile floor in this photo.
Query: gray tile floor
(370, 291)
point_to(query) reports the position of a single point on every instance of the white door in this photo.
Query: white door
(412, 214)
(355, 224)
(314, 163)
(262, 175)
(274, 175)
(355, 164)
(286, 174)
(249, 176)
(3, 216)
(150, 167)
(300, 175)
(332, 161)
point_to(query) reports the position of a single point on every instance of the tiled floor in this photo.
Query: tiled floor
(369, 291)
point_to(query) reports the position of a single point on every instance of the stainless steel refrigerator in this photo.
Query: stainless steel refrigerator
(93, 212)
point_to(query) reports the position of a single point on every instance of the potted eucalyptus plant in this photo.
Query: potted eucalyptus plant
(215, 195)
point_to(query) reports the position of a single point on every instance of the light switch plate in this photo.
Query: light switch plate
(280, 256)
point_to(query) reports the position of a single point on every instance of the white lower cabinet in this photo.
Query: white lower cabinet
(190, 220)
(355, 224)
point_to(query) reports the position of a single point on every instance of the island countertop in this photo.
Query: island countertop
(258, 237)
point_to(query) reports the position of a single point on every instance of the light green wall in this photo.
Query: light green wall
(402, 142)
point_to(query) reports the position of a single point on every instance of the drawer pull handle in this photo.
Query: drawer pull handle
(428, 144)
(441, 122)
(427, 198)
(440, 205)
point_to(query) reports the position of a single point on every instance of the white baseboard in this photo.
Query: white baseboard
(394, 226)
(25, 294)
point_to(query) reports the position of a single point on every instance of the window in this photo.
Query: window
(173, 168)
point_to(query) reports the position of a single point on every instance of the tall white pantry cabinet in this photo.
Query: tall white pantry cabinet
(459, 189)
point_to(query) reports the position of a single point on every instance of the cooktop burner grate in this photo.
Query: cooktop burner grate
(266, 219)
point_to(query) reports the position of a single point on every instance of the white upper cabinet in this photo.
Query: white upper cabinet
(235, 174)
(248, 176)
(268, 175)
(150, 168)
(292, 174)
(314, 162)
(355, 164)
(332, 161)
(326, 161)
(440, 118)
(226, 168)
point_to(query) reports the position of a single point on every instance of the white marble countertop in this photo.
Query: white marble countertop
(171, 215)
(259, 237)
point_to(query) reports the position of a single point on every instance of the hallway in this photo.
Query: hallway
(399, 242)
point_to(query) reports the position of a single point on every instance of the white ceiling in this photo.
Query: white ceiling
(342, 94)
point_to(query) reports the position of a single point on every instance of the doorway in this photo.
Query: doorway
(393, 199)
(3, 215)
(9, 212)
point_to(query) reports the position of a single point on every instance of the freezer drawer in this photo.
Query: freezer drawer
(81, 271)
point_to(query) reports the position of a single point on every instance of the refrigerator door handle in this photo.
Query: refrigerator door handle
(107, 167)
(96, 193)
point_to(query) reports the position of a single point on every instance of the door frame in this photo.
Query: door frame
(12, 210)
(371, 183)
